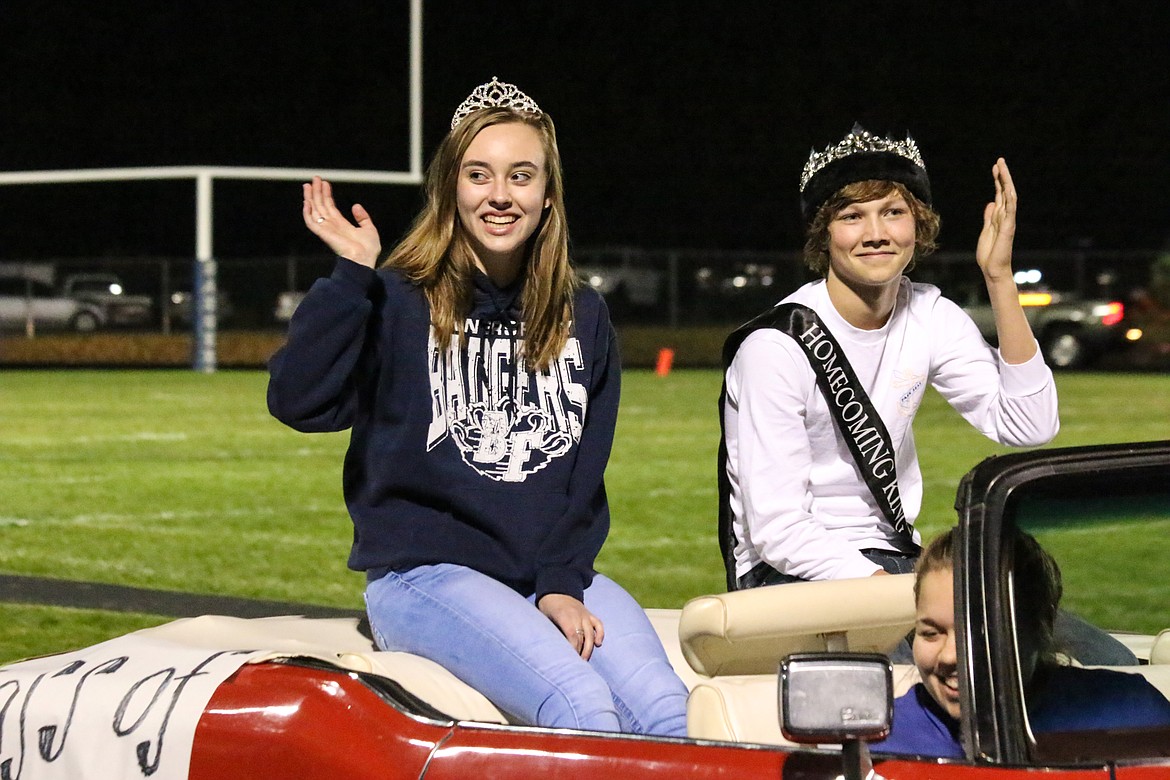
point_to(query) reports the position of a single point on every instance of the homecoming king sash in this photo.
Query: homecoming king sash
(859, 423)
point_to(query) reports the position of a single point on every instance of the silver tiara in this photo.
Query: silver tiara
(859, 140)
(495, 93)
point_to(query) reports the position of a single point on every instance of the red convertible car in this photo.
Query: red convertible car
(777, 675)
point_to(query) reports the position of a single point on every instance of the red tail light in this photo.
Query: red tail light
(1110, 313)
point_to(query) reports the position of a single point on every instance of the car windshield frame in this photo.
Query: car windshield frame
(994, 725)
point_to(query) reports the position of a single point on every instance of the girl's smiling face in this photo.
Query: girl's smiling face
(935, 654)
(501, 191)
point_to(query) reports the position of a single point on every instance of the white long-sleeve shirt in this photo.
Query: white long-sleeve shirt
(798, 500)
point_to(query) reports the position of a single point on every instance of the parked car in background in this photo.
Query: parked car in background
(1073, 332)
(625, 285)
(32, 304)
(286, 303)
(181, 308)
(738, 292)
(107, 291)
(1079, 313)
(226, 698)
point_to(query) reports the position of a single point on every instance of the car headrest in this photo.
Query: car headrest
(1160, 651)
(749, 631)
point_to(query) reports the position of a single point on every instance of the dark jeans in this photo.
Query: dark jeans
(763, 574)
(1088, 644)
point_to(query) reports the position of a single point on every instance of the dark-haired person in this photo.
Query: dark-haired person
(1059, 697)
(819, 476)
(481, 385)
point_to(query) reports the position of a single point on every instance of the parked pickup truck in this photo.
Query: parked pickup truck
(105, 290)
(1073, 332)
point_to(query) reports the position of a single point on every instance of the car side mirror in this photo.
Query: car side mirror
(843, 698)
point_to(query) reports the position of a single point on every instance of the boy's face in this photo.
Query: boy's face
(872, 242)
(934, 639)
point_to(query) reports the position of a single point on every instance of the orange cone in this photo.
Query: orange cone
(665, 361)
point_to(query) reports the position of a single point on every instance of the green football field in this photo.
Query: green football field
(181, 481)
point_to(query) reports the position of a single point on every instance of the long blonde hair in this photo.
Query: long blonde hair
(437, 255)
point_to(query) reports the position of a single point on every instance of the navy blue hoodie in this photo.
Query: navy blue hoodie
(460, 455)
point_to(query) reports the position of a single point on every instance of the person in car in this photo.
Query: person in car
(819, 475)
(1059, 697)
(481, 385)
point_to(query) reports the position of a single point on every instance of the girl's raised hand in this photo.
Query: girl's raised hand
(357, 242)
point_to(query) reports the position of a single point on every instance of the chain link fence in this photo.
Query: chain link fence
(672, 289)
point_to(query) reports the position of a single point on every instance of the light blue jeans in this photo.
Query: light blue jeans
(499, 643)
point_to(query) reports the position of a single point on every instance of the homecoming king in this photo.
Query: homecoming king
(819, 476)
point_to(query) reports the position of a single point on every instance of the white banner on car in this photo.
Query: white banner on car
(126, 708)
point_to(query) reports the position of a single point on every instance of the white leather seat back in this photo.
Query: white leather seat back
(749, 631)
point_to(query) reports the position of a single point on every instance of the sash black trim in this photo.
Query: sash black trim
(863, 430)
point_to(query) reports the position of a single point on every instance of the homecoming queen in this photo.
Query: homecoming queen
(481, 386)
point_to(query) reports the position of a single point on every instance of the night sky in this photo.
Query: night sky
(682, 125)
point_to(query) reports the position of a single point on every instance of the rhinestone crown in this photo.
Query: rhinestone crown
(857, 141)
(492, 94)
